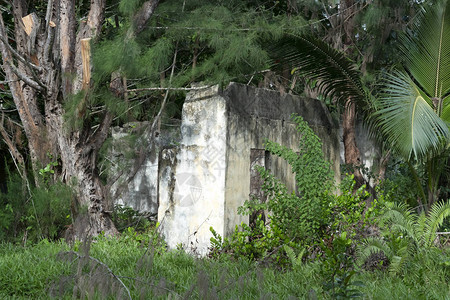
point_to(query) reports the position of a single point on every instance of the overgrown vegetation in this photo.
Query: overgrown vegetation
(318, 242)
(329, 254)
(29, 214)
(92, 271)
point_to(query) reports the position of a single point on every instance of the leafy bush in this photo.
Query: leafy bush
(307, 223)
(338, 269)
(34, 214)
(125, 217)
(406, 236)
(301, 217)
(259, 242)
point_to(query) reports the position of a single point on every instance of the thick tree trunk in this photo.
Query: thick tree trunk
(46, 66)
(54, 50)
(351, 150)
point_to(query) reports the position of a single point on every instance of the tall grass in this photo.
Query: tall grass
(113, 267)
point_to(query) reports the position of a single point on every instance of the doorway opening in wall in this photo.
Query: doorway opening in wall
(258, 157)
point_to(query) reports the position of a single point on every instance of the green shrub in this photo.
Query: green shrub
(30, 215)
(261, 242)
(407, 238)
(303, 217)
(125, 217)
(337, 269)
(301, 221)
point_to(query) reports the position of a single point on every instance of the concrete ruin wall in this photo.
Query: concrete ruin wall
(199, 172)
(134, 175)
(204, 180)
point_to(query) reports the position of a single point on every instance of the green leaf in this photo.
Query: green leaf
(407, 120)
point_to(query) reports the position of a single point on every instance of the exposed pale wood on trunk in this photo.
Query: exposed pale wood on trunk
(67, 44)
(29, 22)
(86, 59)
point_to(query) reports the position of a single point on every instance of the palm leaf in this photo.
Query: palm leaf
(406, 118)
(436, 217)
(401, 219)
(427, 50)
(373, 245)
(445, 114)
(337, 76)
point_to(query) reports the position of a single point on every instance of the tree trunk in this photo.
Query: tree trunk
(45, 67)
(351, 150)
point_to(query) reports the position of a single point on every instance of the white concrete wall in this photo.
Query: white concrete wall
(209, 178)
(197, 200)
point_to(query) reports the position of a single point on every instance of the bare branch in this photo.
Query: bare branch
(49, 41)
(168, 88)
(95, 17)
(99, 137)
(166, 96)
(13, 149)
(67, 39)
(103, 265)
(36, 85)
(18, 55)
(48, 14)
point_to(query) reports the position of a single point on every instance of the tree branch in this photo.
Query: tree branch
(19, 56)
(143, 15)
(36, 85)
(13, 149)
(48, 14)
(168, 88)
(103, 265)
(166, 96)
(98, 138)
(49, 41)
(95, 17)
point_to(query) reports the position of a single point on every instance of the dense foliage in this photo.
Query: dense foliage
(54, 270)
(321, 241)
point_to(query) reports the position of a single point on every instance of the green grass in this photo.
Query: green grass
(38, 271)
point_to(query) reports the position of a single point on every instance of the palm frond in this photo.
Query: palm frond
(398, 262)
(445, 114)
(336, 75)
(427, 50)
(420, 227)
(400, 218)
(406, 118)
(436, 216)
(373, 245)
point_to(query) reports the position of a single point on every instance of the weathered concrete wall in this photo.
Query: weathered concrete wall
(134, 182)
(210, 177)
(196, 200)
(259, 114)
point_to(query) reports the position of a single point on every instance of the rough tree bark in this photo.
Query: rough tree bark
(351, 150)
(44, 68)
